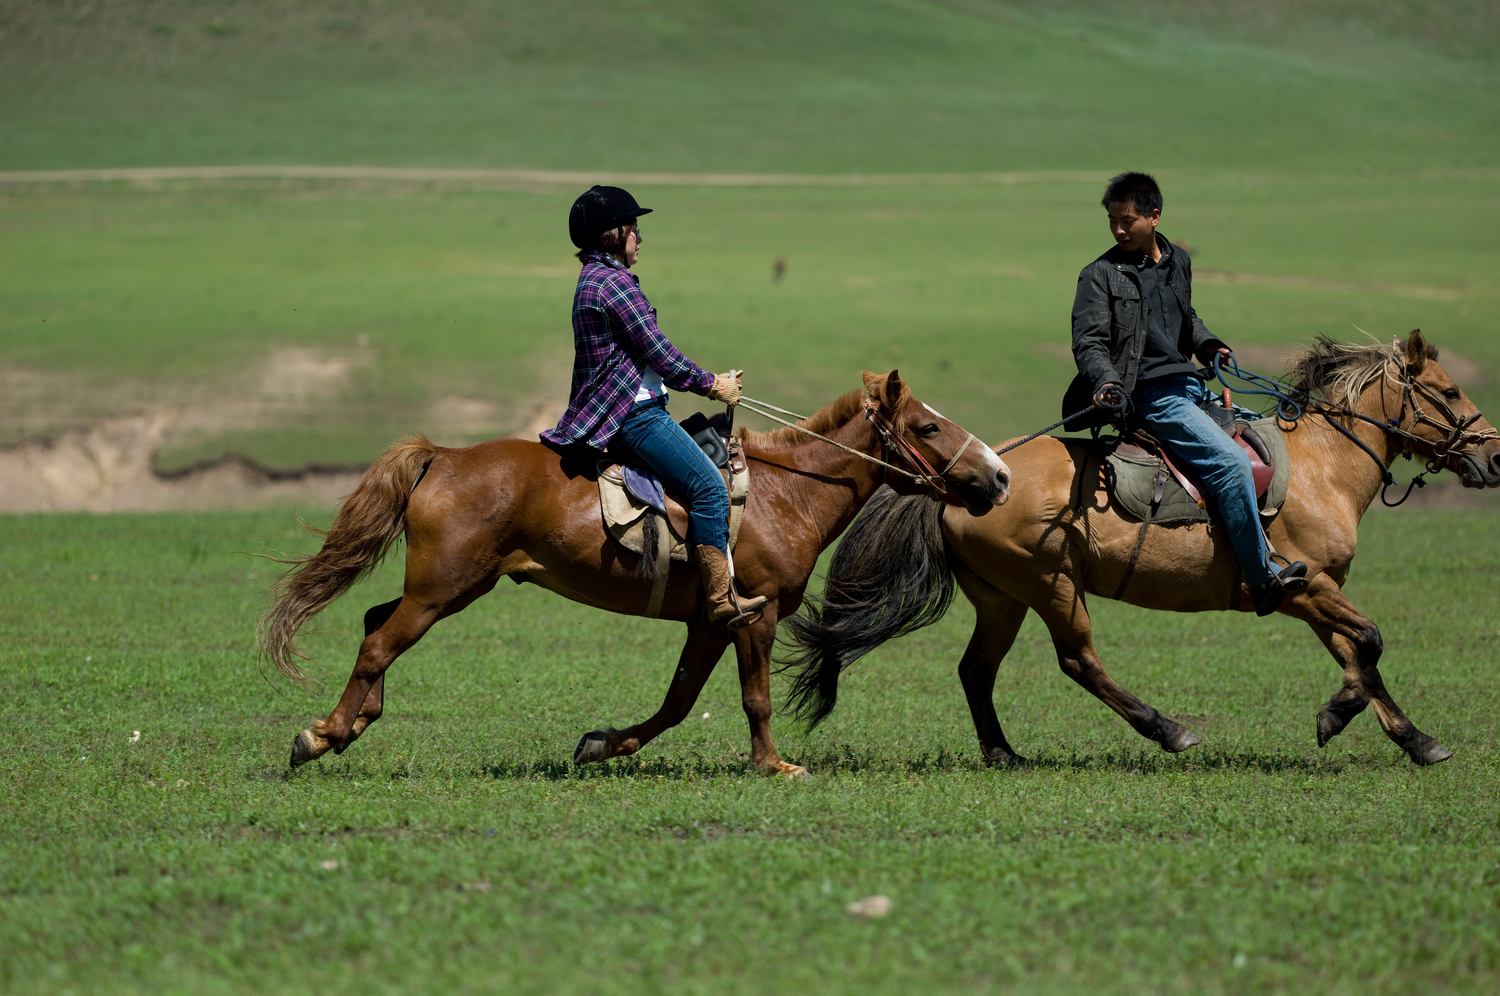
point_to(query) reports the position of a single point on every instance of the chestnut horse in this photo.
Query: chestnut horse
(509, 508)
(1061, 538)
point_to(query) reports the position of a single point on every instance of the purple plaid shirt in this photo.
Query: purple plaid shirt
(615, 337)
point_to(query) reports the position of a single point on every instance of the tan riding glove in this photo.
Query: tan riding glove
(726, 388)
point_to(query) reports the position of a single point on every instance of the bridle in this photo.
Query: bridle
(892, 442)
(1457, 435)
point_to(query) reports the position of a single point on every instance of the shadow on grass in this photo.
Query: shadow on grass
(845, 760)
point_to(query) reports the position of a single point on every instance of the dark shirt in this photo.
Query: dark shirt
(1163, 352)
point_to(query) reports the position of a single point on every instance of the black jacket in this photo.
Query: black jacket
(1109, 331)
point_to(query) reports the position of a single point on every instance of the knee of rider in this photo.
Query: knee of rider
(713, 499)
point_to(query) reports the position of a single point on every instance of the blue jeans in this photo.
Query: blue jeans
(654, 438)
(1168, 409)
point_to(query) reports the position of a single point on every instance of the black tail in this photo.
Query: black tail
(889, 577)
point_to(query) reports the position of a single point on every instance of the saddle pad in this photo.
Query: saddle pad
(644, 488)
(625, 516)
(1131, 481)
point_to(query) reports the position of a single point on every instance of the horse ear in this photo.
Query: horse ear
(872, 383)
(1416, 351)
(896, 391)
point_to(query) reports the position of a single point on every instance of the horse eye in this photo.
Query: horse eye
(1450, 393)
(930, 429)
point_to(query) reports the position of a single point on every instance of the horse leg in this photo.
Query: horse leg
(1068, 621)
(405, 625)
(700, 654)
(753, 646)
(997, 620)
(1355, 642)
(374, 703)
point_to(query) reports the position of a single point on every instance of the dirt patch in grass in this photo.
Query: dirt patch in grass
(83, 450)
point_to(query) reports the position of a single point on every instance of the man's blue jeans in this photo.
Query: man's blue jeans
(1168, 409)
(654, 438)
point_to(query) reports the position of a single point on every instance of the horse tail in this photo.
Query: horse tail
(890, 576)
(367, 523)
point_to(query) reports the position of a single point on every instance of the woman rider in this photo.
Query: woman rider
(622, 367)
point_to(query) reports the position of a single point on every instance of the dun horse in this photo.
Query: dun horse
(1059, 539)
(508, 508)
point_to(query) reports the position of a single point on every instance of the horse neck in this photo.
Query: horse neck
(824, 485)
(1358, 473)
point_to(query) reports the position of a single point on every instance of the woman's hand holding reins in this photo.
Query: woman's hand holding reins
(726, 388)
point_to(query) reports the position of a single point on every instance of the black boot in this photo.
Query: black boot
(1290, 580)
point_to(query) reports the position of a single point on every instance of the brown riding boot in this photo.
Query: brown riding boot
(725, 608)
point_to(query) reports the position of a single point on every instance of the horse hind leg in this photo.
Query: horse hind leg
(1354, 641)
(699, 655)
(997, 620)
(396, 627)
(1068, 622)
(374, 703)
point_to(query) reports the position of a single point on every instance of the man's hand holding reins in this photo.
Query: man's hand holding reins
(1111, 398)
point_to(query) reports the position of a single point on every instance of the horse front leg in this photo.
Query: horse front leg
(700, 654)
(1355, 643)
(753, 646)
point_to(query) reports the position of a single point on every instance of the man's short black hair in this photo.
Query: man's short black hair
(1139, 189)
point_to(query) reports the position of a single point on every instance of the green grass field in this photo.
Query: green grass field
(455, 847)
(1330, 169)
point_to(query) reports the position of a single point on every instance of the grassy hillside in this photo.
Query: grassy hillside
(1330, 169)
(674, 84)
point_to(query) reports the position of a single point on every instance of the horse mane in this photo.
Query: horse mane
(822, 421)
(1339, 372)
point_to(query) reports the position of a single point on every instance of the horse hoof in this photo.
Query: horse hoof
(307, 746)
(790, 771)
(592, 747)
(1179, 740)
(1428, 752)
(1003, 760)
(1330, 725)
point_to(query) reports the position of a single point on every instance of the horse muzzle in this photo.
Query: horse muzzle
(1474, 471)
(984, 495)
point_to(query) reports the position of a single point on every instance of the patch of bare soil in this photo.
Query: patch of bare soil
(107, 467)
(108, 463)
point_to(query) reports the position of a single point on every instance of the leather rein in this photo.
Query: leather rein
(921, 471)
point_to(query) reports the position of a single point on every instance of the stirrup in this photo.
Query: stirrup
(745, 614)
(1290, 580)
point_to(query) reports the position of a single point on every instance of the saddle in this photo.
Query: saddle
(634, 506)
(1146, 484)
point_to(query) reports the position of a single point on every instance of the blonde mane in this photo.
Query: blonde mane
(1338, 372)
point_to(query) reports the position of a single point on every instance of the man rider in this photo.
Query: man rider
(1134, 336)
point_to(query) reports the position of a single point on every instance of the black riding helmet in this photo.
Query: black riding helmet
(597, 210)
